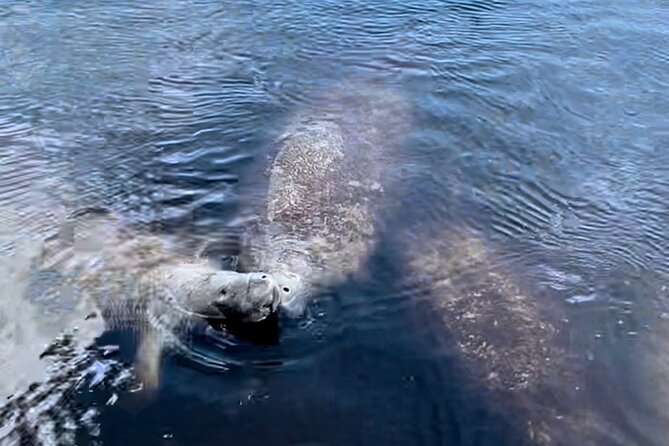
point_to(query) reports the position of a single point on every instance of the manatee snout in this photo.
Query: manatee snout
(293, 292)
(264, 292)
(250, 297)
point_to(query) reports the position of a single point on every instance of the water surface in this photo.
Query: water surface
(540, 125)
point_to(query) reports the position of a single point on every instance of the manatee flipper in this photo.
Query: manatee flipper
(149, 355)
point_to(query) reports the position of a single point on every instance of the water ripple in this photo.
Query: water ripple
(541, 124)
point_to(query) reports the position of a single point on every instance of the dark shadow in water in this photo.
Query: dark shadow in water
(266, 332)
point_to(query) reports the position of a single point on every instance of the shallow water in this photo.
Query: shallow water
(538, 126)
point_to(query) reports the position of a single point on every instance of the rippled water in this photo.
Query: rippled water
(538, 128)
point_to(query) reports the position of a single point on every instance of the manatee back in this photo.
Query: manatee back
(318, 212)
(305, 176)
(326, 187)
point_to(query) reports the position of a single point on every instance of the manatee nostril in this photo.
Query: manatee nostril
(264, 276)
(286, 289)
(223, 292)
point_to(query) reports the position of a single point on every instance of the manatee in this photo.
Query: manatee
(318, 225)
(136, 281)
(510, 350)
(95, 274)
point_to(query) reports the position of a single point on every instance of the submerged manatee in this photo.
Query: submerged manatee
(136, 281)
(92, 275)
(318, 225)
(512, 351)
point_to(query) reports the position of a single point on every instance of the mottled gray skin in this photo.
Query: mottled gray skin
(135, 281)
(509, 347)
(318, 222)
(318, 226)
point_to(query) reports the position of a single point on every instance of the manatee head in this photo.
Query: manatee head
(249, 297)
(202, 290)
(294, 292)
